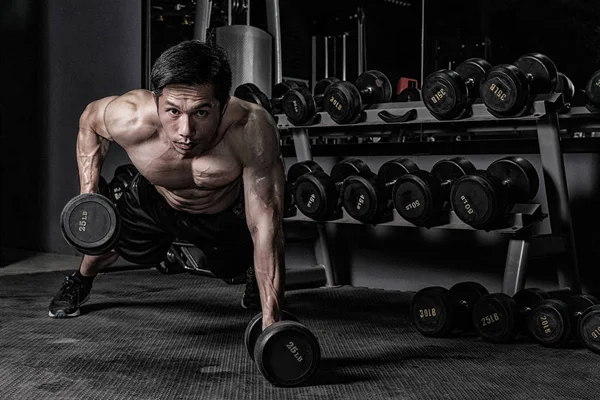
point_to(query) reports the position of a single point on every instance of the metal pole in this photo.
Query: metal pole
(248, 12)
(422, 41)
(147, 56)
(344, 56)
(334, 55)
(313, 75)
(202, 19)
(326, 56)
(360, 41)
(229, 11)
(273, 24)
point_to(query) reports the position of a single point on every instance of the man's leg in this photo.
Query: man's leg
(76, 288)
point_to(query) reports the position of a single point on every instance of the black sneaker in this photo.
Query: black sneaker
(251, 297)
(72, 294)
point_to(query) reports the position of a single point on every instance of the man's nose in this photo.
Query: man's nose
(186, 127)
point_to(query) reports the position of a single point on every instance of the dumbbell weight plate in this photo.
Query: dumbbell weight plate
(526, 299)
(412, 196)
(316, 195)
(431, 311)
(322, 85)
(476, 198)
(379, 84)
(90, 223)
(565, 86)
(473, 69)
(444, 94)
(287, 353)
(342, 102)
(464, 295)
(298, 169)
(550, 323)
(282, 87)
(592, 90)
(495, 318)
(505, 90)
(521, 175)
(244, 89)
(589, 328)
(542, 70)
(254, 329)
(299, 106)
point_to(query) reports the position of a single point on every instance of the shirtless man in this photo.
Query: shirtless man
(210, 172)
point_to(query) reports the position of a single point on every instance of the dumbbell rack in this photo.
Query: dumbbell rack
(523, 221)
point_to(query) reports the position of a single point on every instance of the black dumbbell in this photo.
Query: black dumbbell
(90, 222)
(437, 311)
(509, 90)
(344, 101)
(554, 323)
(301, 107)
(121, 180)
(316, 194)
(588, 329)
(449, 94)
(481, 198)
(499, 318)
(289, 205)
(251, 93)
(565, 86)
(286, 353)
(410, 93)
(421, 197)
(592, 91)
(366, 197)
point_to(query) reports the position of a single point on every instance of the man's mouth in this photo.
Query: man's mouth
(185, 146)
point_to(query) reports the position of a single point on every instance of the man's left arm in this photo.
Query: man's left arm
(264, 182)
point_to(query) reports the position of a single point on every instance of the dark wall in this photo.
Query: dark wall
(64, 54)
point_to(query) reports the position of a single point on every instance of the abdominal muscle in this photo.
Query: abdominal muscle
(201, 201)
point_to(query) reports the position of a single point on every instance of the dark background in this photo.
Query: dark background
(59, 55)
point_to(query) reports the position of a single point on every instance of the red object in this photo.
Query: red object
(404, 83)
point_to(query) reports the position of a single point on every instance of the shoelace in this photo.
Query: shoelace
(69, 288)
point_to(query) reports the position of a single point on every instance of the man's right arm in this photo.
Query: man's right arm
(92, 144)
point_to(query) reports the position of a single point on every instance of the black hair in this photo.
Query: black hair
(193, 63)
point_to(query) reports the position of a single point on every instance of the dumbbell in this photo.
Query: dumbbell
(289, 205)
(90, 222)
(499, 318)
(421, 197)
(449, 94)
(592, 91)
(252, 94)
(437, 311)
(301, 107)
(121, 180)
(554, 323)
(344, 101)
(316, 194)
(480, 199)
(509, 90)
(286, 352)
(410, 93)
(588, 329)
(565, 86)
(366, 197)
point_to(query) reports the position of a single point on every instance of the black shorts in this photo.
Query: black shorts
(149, 225)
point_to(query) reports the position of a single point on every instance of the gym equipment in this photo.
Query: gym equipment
(592, 91)
(121, 180)
(286, 353)
(449, 94)
(301, 107)
(565, 86)
(553, 323)
(588, 329)
(421, 197)
(289, 205)
(509, 90)
(366, 197)
(437, 311)
(480, 199)
(317, 195)
(499, 318)
(410, 93)
(90, 223)
(344, 101)
(252, 94)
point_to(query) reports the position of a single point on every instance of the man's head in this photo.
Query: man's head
(191, 82)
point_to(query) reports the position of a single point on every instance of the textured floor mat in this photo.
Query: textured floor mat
(144, 335)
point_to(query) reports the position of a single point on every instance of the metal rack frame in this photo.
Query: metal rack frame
(523, 221)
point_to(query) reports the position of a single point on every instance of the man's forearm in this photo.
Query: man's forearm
(91, 151)
(270, 272)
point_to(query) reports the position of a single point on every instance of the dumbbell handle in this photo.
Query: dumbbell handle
(366, 92)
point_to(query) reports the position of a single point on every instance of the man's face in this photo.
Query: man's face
(189, 115)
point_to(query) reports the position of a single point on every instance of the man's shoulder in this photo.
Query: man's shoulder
(131, 114)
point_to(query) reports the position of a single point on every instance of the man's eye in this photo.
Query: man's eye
(173, 111)
(201, 113)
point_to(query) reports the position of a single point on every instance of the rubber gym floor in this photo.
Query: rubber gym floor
(144, 335)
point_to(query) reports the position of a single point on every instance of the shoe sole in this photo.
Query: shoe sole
(60, 314)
